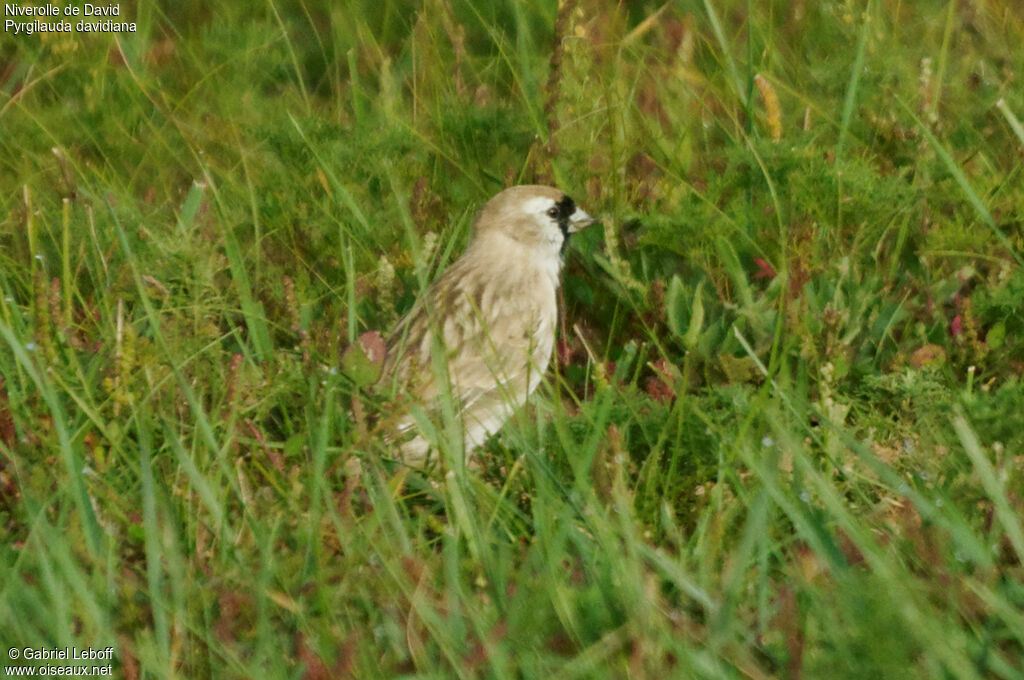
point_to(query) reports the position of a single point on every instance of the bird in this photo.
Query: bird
(490, 317)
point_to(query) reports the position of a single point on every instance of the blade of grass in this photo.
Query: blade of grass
(73, 460)
(940, 71)
(1011, 119)
(153, 530)
(292, 54)
(730, 64)
(990, 481)
(190, 208)
(198, 480)
(851, 89)
(67, 288)
(252, 309)
(961, 179)
(345, 198)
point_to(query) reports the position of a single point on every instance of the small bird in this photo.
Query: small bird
(491, 317)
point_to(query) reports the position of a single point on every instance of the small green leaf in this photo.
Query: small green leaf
(733, 267)
(190, 208)
(696, 318)
(737, 369)
(840, 367)
(363, 361)
(673, 306)
(293, 446)
(996, 335)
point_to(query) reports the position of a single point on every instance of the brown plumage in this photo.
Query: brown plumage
(490, 317)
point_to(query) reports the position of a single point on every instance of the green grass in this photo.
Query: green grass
(788, 438)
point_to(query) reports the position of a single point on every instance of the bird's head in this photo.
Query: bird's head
(536, 216)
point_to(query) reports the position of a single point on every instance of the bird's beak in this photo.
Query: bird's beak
(579, 221)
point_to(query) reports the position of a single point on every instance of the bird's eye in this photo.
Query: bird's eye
(553, 211)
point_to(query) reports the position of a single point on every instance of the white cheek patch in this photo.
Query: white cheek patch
(550, 261)
(538, 207)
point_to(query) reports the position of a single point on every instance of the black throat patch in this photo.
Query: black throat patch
(566, 207)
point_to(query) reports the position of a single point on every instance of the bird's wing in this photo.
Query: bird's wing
(485, 336)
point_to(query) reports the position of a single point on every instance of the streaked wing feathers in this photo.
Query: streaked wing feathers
(494, 338)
